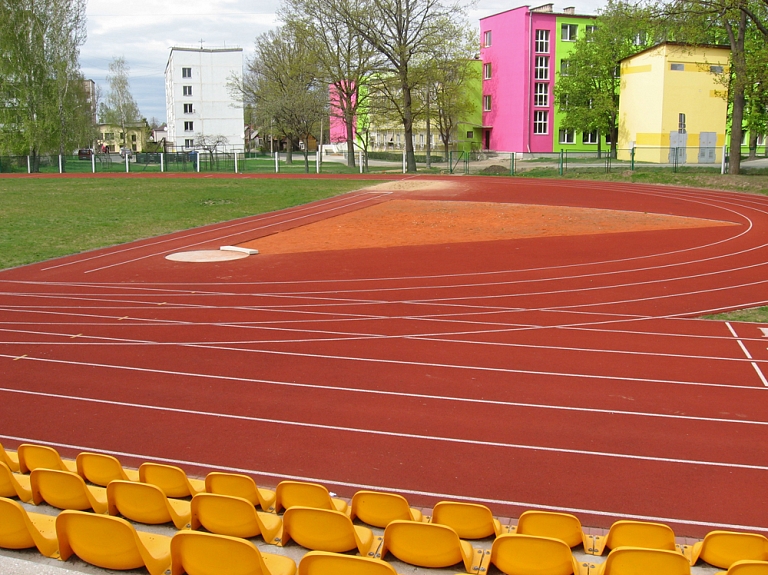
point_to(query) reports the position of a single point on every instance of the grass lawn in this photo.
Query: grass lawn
(755, 314)
(46, 218)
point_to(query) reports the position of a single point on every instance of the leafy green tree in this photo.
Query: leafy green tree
(589, 93)
(43, 107)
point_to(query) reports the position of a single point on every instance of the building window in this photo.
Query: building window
(565, 66)
(760, 140)
(109, 136)
(133, 137)
(487, 71)
(542, 41)
(186, 72)
(716, 69)
(470, 135)
(589, 32)
(189, 126)
(541, 71)
(187, 108)
(567, 136)
(487, 103)
(681, 123)
(186, 90)
(677, 67)
(487, 38)
(189, 143)
(563, 102)
(541, 95)
(589, 137)
(540, 121)
(568, 32)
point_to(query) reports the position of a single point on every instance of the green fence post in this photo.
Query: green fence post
(560, 167)
(632, 159)
(450, 161)
(466, 163)
(512, 164)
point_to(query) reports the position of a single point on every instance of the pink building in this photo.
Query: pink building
(522, 51)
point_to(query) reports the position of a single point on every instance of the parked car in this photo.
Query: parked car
(126, 153)
(84, 154)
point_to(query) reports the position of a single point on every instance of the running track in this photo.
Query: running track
(554, 373)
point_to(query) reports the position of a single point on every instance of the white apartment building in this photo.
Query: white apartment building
(199, 106)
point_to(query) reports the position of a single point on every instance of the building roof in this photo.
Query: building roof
(681, 44)
(543, 9)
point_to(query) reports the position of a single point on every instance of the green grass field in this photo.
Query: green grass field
(46, 218)
(755, 314)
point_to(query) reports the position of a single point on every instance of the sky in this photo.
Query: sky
(143, 32)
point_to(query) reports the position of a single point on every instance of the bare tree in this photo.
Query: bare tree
(120, 108)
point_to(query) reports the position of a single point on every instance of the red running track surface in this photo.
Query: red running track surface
(556, 373)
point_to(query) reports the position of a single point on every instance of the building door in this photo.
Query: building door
(487, 140)
(677, 144)
(707, 145)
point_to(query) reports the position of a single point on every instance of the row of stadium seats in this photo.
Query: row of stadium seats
(226, 503)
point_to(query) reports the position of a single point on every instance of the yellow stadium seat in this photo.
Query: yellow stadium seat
(42, 457)
(292, 493)
(469, 520)
(516, 553)
(563, 526)
(324, 563)
(234, 516)
(197, 553)
(636, 560)
(66, 490)
(327, 530)
(238, 485)
(634, 534)
(111, 542)
(146, 503)
(431, 545)
(379, 509)
(747, 568)
(22, 530)
(10, 458)
(171, 479)
(100, 469)
(14, 484)
(724, 548)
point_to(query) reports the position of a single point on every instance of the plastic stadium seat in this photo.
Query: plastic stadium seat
(22, 530)
(723, 548)
(469, 520)
(199, 553)
(379, 509)
(100, 469)
(515, 554)
(238, 485)
(234, 516)
(747, 568)
(324, 563)
(563, 526)
(171, 479)
(292, 493)
(431, 545)
(145, 503)
(634, 534)
(66, 490)
(327, 530)
(10, 458)
(42, 457)
(111, 542)
(635, 560)
(14, 484)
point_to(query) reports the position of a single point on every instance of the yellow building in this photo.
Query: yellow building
(672, 104)
(112, 136)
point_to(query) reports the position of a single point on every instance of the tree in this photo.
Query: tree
(588, 93)
(401, 31)
(281, 82)
(43, 107)
(120, 108)
(344, 60)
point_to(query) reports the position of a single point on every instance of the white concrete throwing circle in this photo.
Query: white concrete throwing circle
(206, 256)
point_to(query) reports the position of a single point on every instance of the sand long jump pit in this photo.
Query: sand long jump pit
(407, 222)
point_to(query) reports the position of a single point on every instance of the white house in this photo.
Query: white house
(199, 105)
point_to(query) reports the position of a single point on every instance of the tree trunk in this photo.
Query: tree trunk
(289, 150)
(737, 117)
(752, 146)
(410, 157)
(429, 143)
(614, 140)
(349, 120)
(306, 154)
(739, 60)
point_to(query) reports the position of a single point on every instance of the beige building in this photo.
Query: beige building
(112, 136)
(672, 105)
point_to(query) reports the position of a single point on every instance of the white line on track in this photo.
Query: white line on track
(749, 355)
(389, 488)
(416, 436)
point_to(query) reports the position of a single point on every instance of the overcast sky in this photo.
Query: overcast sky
(143, 31)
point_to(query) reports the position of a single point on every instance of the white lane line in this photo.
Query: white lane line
(398, 394)
(389, 488)
(421, 437)
(746, 352)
